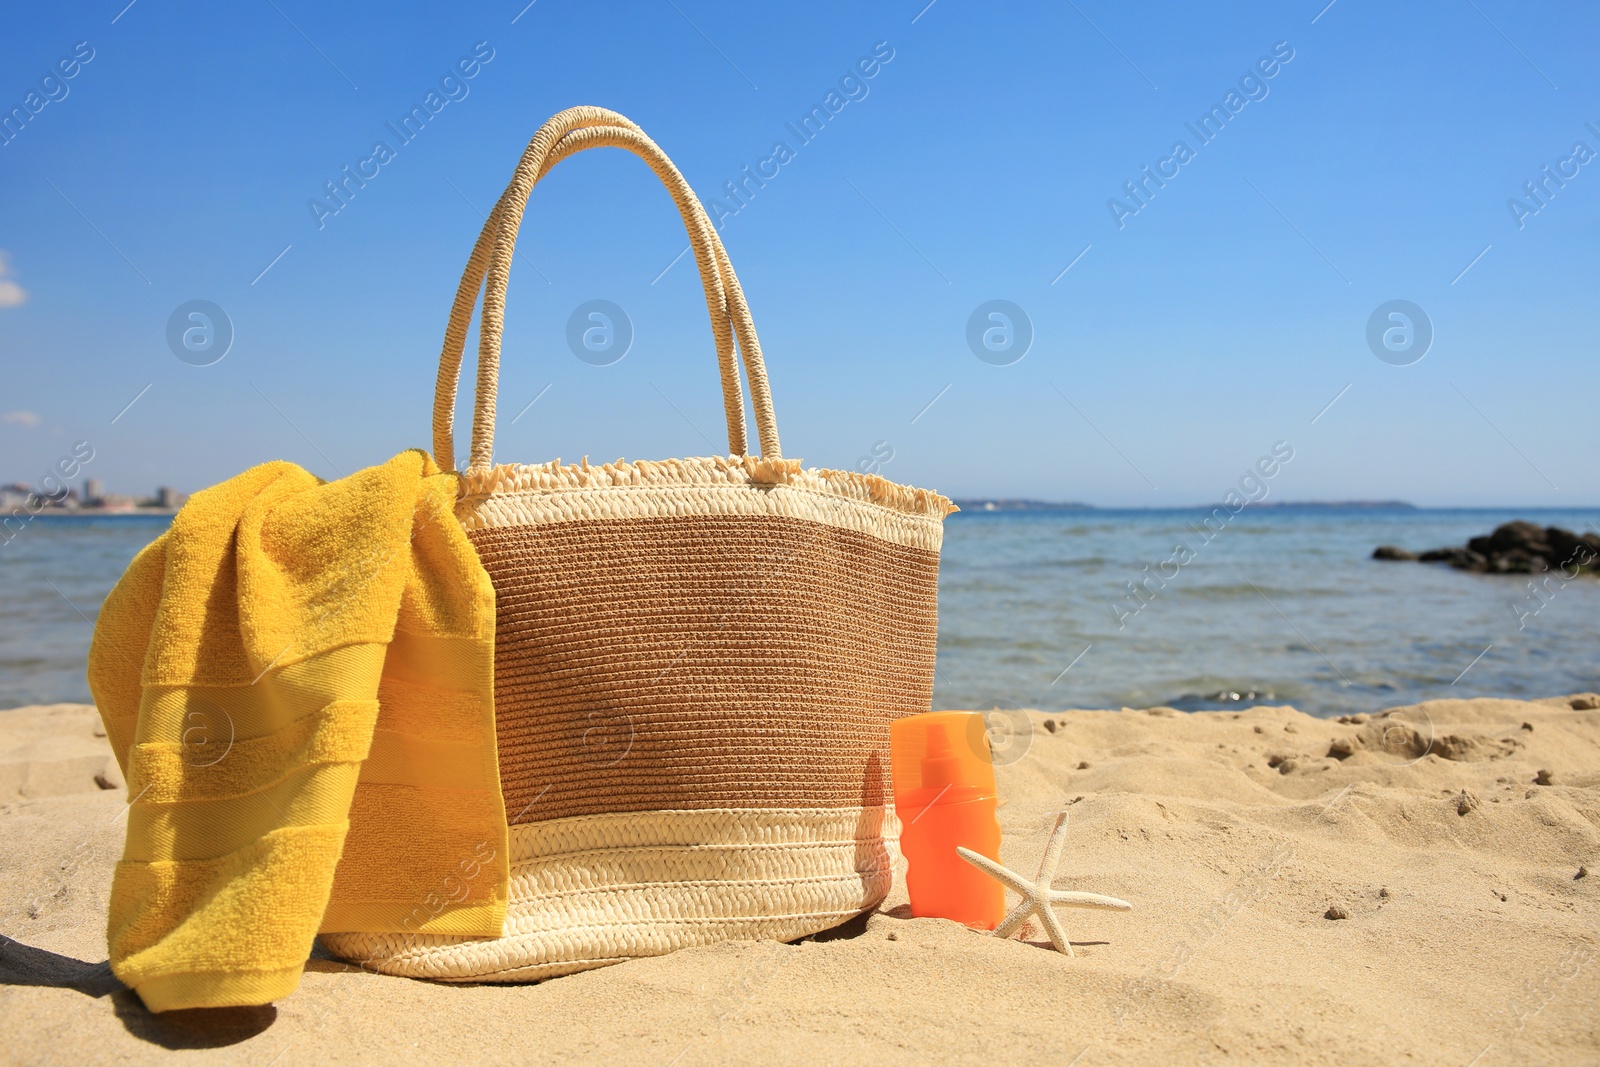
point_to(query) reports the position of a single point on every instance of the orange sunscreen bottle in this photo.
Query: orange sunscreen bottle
(945, 796)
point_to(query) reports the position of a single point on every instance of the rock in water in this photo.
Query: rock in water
(1522, 538)
(1513, 548)
(1464, 559)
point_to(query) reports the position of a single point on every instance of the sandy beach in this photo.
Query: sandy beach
(1417, 888)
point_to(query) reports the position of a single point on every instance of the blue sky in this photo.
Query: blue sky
(976, 164)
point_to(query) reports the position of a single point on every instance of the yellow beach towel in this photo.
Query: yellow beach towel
(297, 679)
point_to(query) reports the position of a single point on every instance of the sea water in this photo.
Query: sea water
(1280, 606)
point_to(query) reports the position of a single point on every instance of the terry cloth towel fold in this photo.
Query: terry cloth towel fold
(298, 680)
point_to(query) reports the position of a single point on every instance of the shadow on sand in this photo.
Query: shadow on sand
(24, 965)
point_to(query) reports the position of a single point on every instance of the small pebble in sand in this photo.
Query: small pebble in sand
(1287, 766)
(1083, 765)
(1543, 778)
(1259, 730)
(1383, 893)
(1336, 912)
(1528, 726)
(893, 936)
(1342, 747)
(1583, 872)
(1290, 728)
(105, 781)
(1050, 724)
(1466, 802)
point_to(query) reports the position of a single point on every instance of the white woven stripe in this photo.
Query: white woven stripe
(519, 495)
(597, 889)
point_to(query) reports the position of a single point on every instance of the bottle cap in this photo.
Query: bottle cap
(940, 757)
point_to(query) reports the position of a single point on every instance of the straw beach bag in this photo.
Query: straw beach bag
(696, 660)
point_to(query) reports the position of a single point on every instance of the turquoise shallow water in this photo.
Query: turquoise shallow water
(1284, 604)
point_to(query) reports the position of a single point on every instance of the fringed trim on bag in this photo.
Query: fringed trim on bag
(751, 471)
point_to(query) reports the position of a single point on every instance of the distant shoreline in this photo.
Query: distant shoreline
(1023, 504)
(992, 505)
(1344, 505)
(105, 513)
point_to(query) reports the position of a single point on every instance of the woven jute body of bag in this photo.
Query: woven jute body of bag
(696, 660)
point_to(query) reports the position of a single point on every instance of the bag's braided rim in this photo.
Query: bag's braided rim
(536, 509)
(591, 890)
(742, 471)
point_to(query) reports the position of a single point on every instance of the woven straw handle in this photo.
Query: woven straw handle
(489, 267)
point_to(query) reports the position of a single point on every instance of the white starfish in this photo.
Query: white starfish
(1037, 896)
